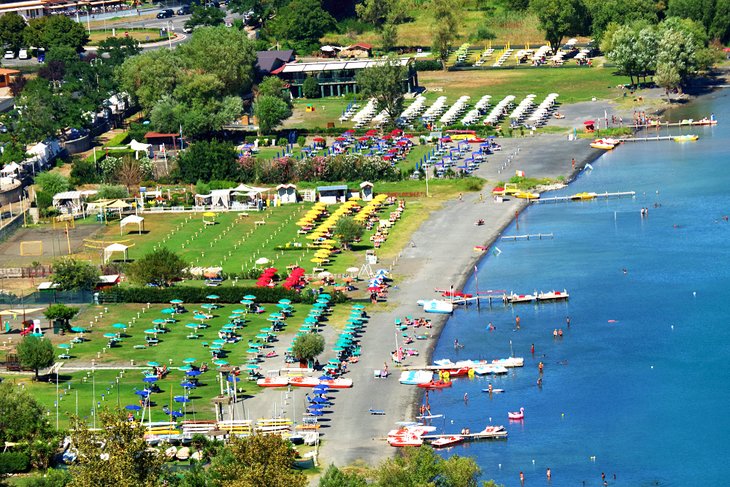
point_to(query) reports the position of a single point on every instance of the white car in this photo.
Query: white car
(23, 54)
(9, 55)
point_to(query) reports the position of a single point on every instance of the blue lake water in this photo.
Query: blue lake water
(645, 397)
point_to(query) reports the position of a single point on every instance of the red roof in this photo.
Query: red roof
(362, 45)
(155, 135)
(9, 71)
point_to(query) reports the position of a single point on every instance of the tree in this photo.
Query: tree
(334, 477)
(604, 12)
(129, 174)
(720, 27)
(274, 86)
(310, 87)
(60, 312)
(301, 24)
(445, 26)
(56, 30)
(71, 275)
(347, 231)
(52, 182)
(12, 27)
(160, 267)
(385, 83)
(422, 466)
(205, 16)
(115, 454)
(307, 346)
(385, 15)
(113, 191)
(667, 77)
(22, 418)
(35, 353)
(150, 75)
(208, 160)
(270, 112)
(12, 152)
(115, 50)
(257, 461)
(702, 11)
(558, 18)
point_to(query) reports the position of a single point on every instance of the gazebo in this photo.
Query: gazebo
(115, 247)
(132, 220)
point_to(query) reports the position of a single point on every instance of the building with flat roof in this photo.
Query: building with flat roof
(27, 10)
(337, 78)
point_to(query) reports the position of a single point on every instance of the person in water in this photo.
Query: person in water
(517, 322)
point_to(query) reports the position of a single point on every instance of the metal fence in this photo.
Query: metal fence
(46, 297)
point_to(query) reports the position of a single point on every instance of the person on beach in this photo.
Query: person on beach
(573, 163)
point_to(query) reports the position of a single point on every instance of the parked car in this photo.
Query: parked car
(183, 10)
(165, 14)
(23, 54)
(9, 55)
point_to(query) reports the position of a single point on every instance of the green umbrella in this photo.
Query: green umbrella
(168, 311)
(186, 368)
(189, 361)
(252, 350)
(176, 301)
(249, 297)
(151, 331)
(220, 362)
(119, 326)
(325, 295)
(65, 346)
(212, 296)
(285, 301)
(262, 336)
(358, 306)
(78, 329)
(153, 364)
(216, 346)
(238, 311)
(247, 302)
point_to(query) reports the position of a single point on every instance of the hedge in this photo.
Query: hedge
(198, 295)
(118, 140)
(14, 462)
(428, 65)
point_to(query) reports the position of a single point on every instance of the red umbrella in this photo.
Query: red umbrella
(349, 131)
(373, 288)
(408, 135)
(318, 139)
(371, 132)
(363, 139)
(396, 132)
(341, 139)
(402, 143)
(589, 122)
(387, 137)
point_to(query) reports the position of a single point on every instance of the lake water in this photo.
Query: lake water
(639, 384)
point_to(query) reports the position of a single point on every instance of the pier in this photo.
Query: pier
(480, 435)
(538, 236)
(584, 197)
(648, 139)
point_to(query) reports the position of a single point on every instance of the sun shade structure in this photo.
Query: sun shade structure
(132, 220)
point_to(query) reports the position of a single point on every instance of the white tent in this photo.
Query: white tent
(115, 247)
(11, 169)
(138, 147)
(132, 219)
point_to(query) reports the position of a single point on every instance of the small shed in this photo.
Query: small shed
(287, 193)
(132, 220)
(359, 50)
(331, 195)
(71, 202)
(157, 138)
(7, 76)
(366, 191)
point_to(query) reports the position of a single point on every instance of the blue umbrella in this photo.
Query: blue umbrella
(319, 400)
(177, 414)
(158, 321)
(181, 399)
(185, 368)
(168, 311)
(150, 379)
(78, 329)
(187, 384)
(193, 373)
(232, 378)
(250, 297)
(189, 360)
(316, 412)
(238, 311)
(132, 407)
(316, 406)
(119, 326)
(142, 393)
(110, 335)
(176, 301)
(212, 296)
(325, 377)
(153, 364)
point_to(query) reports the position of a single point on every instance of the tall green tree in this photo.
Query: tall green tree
(209, 160)
(52, 182)
(115, 454)
(347, 230)
(559, 18)
(71, 274)
(270, 111)
(301, 24)
(116, 50)
(603, 12)
(22, 418)
(257, 461)
(12, 27)
(55, 31)
(35, 353)
(308, 346)
(334, 477)
(150, 76)
(60, 312)
(385, 15)
(274, 86)
(160, 267)
(205, 16)
(422, 466)
(386, 83)
(720, 27)
(445, 26)
(702, 11)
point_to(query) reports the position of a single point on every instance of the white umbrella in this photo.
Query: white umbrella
(352, 269)
(324, 274)
(262, 261)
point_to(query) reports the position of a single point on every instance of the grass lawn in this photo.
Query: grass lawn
(140, 34)
(326, 110)
(77, 387)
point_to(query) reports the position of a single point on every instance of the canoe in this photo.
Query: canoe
(583, 196)
(436, 384)
(686, 138)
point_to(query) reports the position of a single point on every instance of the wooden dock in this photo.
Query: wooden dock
(480, 435)
(648, 139)
(538, 236)
(559, 199)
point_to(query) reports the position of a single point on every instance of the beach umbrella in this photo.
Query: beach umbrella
(200, 317)
(212, 296)
(142, 393)
(338, 349)
(220, 362)
(158, 321)
(219, 341)
(352, 270)
(325, 296)
(252, 350)
(255, 345)
(132, 407)
(358, 306)
(262, 261)
(151, 331)
(311, 320)
(239, 311)
(216, 347)
(330, 367)
(78, 329)
(150, 379)
(177, 414)
(247, 302)
(316, 406)
(316, 412)
(233, 378)
(153, 364)
(252, 367)
(285, 301)
(265, 330)
(181, 399)
(168, 311)
(262, 336)
(208, 306)
(189, 360)
(185, 368)
(249, 297)
(119, 326)
(319, 400)
(176, 301)
(193, 373)
(65, 346)
(187, 384)
(110, 335)
(193, 326)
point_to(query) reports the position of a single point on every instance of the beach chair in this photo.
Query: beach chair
(376, 412)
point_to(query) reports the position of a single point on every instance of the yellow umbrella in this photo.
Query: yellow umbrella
(209, 214)
(316, 260)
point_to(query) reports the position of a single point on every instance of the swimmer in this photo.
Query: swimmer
(625, 270)
(548, 474)
(560, 333)
(466, 397)
(517, 322)
(490, 388)
(567, 321)
(532, 349)
(555, 333)
(539, 382)
(522, 478)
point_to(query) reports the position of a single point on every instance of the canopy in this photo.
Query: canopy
(133, 220)
(115, 247)
(139, 146)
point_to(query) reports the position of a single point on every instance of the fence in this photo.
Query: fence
(412, 194)
(15, 272)
(47, 297)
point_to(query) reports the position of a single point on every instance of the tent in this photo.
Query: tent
(132, 219)
(11, 169)
(139, 146)
(115, 247)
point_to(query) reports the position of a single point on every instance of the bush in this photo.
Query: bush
(14, 462)
(84, 172)
(282, 142)
(197, 294)
(310, 87)
(301, 141)
(109, 192)
(118, 140)
(483, 33)
(428, 65)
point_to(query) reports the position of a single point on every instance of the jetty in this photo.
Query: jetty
(559, 199)
(658, 138)
(498, 433)
(538, 236)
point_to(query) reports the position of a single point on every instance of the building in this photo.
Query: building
(330, 195)
(39, 8)
(359, 50)
(286, 193)
(27, 10)
(7, 76)
(337, 78)
(268, 61)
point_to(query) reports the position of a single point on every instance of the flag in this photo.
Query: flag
(181, 138)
